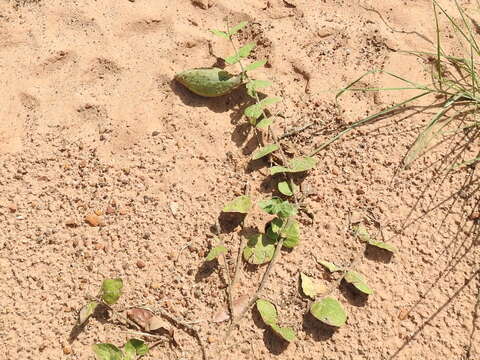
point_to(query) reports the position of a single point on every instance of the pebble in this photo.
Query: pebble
(67, 350)
(71, 223)
(140, 264)
(110, 210)
(12, 207)
(123, 211)
(94, 220)
(155, 285)
(155, 133)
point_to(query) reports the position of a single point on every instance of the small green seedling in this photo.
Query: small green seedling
(329, 311)
(269, 315)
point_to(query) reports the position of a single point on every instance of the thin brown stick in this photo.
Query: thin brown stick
(259, 289)
(295, 131)
(187, 326)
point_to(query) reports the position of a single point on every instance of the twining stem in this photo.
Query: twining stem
(272, 133)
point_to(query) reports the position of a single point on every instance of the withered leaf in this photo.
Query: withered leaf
(238, 305)
(147, 320)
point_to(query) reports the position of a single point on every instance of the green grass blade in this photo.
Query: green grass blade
(366, 120)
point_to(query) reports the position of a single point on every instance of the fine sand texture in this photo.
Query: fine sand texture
(92, 125)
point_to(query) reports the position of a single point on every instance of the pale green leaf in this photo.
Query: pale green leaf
(382, 245)
(241, 204)
(246, 49)
(111, 290)
(265, 151)
(86, 312)
(330, 266)
(259, 249)
(253, 85)
(237, 28)
(299, 164)
(277, 206)
(290, 232)
(286, 333)
(107, 352)
(233, 59)
(134, 348)
(216, 252)
(310, 287)
(255, 65)
(278, 169)
(219, 33)
(302, 164)
(262, 124)
(285, 188)
(358, 282)
(269, 101)
(329, 311)
(253, 111)
(267, 311)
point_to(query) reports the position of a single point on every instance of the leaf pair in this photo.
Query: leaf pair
(279, 207)
(253, 112)
(269, 315)
(131, 350)
(232, 31)
(288, 229)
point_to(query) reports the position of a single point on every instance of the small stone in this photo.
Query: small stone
(12, 207)
(360, 192)
(140, 264)
(211, 339)
(67, 350)
(110, 210)
(99, 246)
(173, 208)
(155, 133)
(98, 212)
(94, 220)
(474, 216)
(403, 314)
(71, 223)
(155, 285)
(123, 211)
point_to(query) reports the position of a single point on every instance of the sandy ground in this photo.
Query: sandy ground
(90, 121)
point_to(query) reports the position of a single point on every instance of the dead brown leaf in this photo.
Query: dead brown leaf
(238, 305)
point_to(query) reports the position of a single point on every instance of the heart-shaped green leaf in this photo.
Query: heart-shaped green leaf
(358, 282)
(284, 332)
(107, 352)
(259, 249)
(216, 252)
(242, 53)
(329, 311)
(111, 290)
(267, 311)
(255, 65)
(134, 348)
(330, 266)
(310, 287)
(86, 312)
(265, 151)
(241, 204)
(285, 188)
(256, 110)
